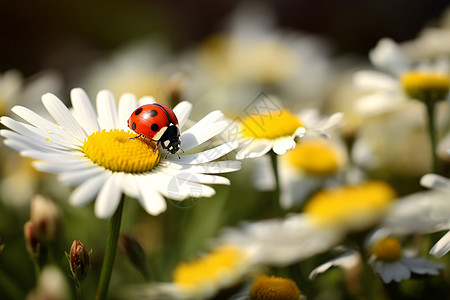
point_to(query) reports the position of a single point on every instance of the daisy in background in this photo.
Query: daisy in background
(96, 152)
(19, 181)
(424, 212)
(250, 55)
(267, 126)
(328, 216)
(315, 162)
(224, 267)
(388, 259)
(387, 102)
(142, 67)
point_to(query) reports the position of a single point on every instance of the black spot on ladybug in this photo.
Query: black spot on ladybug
(133, 126)
(153, 113)
(154, 127)
(137, 112)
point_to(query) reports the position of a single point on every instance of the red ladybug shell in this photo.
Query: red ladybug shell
(152, 120)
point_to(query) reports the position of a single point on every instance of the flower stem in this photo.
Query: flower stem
(432, 133)
(274, 160)
(110, 252)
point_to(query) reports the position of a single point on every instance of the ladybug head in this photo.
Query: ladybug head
(170, 140)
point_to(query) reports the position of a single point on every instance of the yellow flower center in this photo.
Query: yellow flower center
(271, 125)
(315, 156)
(217, 268)
(351, 206)
(118, 151)
(274, 288)
(387, 249)
(426, 86)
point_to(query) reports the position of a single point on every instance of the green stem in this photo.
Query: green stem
(432, 133)
(110, 252)
(79, 290)
(274, 160)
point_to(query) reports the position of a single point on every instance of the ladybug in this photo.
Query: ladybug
(158, 123)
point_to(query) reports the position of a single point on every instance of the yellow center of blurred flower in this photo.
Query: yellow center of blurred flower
(217, 268)
(387, 249)
(315, 156)
(271, 125)
(351, 206)
(426, 86)
(118, 151)
(274, 288)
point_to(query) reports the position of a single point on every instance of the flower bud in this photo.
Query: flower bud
(79, 260)
(134, 251)
(46, 217)
(2, 246)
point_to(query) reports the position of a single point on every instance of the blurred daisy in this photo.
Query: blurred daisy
(141, 67)
(271, 287)
(277, 130)
(252, 55)
(96, 152)
(202, 277)
(424, 212)
(400, 80)
(393, 264)
(388, 260)
(327, 217)
(314, 163)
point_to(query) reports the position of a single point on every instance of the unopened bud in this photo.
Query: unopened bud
(2, 246)
(37, 251)
(134, 251)
(46, 216)
(78, 260)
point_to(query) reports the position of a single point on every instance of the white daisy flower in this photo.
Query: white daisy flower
(393, 264)
(277, 130)
(327, 217)
(388, 260)
(424, 212)
(400, 80)
(222, 268)
(95, 152)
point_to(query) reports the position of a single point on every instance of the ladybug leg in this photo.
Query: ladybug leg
(157, 146)
(135, 137)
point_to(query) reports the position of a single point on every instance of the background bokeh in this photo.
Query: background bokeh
(45, 34)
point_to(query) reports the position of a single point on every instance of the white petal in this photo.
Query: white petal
(281, 145)
(442, 246)
(87, 191)
(60, 167)
(223, 166)
(39, 135)
(195, 136)
(63, 116)
(127, 104)
(205, 156)
(151, 200)
(422, 266)
(40, 122)
(388, 56)
(183, 110)
(107, 110)
(374, 80)
(347, 260)
(146, 100)
(23, 143)
(435, 181)
(377, 103)
(84, 111)
(76, 178)
(108, 198)
(197, 177)
(255, 148)
(130, 186)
